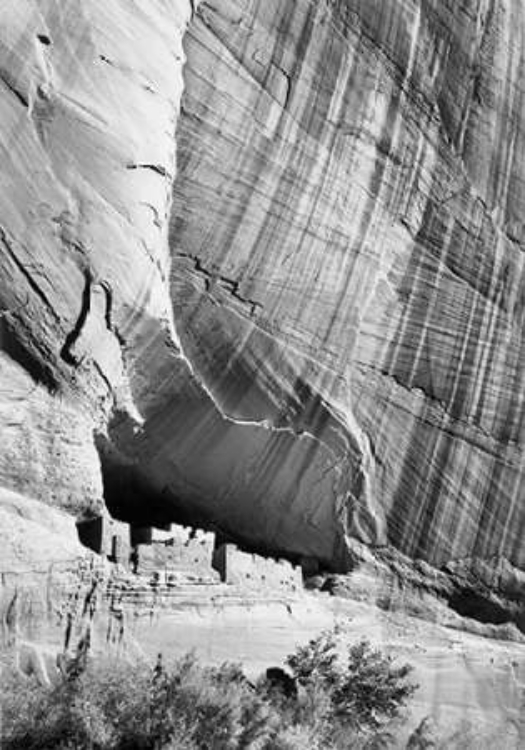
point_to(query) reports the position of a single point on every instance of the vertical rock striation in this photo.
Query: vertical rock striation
(87, 144)
(291, 308)
(347, 248)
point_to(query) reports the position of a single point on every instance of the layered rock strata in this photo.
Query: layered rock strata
(291, 309)
(348, 267)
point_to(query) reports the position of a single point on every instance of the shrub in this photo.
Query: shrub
(366, 694)
(371, 691)
(215, 707)
(118, 706)
(92, 709)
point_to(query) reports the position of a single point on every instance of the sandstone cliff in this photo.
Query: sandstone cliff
(280, 290)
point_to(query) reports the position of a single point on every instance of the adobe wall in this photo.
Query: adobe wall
(160, 553)
(181, 549)
(255, 572)
(106, 536)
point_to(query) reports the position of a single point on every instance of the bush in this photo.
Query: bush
(93, 709)
(365, 694)
(118, 706)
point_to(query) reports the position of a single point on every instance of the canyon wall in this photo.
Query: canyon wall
(348, 262)
(266, 275)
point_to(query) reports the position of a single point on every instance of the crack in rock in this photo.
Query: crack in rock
(213, 279)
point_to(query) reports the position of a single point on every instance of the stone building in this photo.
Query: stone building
(106, 536)
(254, 571)
(177, 550)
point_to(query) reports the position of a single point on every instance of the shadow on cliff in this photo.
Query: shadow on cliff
(24, 353)
(129, 496)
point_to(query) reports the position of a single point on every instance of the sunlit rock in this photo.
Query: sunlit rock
(278, 292)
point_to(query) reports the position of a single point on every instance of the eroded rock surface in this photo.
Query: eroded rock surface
(291, 308)
(347, 265)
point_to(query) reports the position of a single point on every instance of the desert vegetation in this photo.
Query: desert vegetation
(328, 698)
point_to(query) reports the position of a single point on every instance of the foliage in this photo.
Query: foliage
(186, 706)
(366, 693)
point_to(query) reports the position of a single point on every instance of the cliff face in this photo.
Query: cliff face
(291, 307)
(348, 263)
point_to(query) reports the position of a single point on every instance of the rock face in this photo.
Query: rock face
(347, 257)
(87, 126)
(291, 308)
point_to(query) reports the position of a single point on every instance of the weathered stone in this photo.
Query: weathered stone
(291, 310)
(254, 572)
(179, 550)
(346, 240)
(107, 537)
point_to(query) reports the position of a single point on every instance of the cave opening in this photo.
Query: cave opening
(132, 497)
(128, 495)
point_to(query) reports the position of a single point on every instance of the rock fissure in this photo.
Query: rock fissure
(10, 83)
(72, 337)
(159, 169)
(452, 420)
(25, 270)
(213, 279)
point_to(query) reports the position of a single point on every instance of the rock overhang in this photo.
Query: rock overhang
(292, 309)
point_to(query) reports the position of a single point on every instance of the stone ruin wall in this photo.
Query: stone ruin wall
(255, 572)
(167, 554)
(179, 550)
